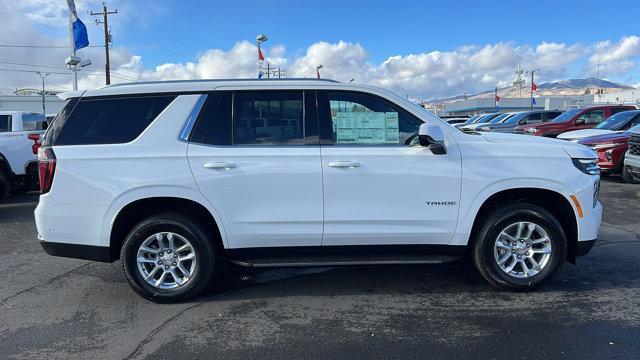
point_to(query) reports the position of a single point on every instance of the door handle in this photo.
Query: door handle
(344, 164)
(220, 165)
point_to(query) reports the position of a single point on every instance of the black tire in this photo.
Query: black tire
(627, 177)
(196, 233)
(500, 218)
(5, 184)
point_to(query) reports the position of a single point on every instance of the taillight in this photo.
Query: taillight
(46, 168)
(36, 143)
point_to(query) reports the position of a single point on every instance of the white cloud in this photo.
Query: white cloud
(615, 58)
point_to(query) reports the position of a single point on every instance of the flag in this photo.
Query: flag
(80, 37)
(533, 100)
(534, 87)
(497, 98)
(260, 56)
(260, 61)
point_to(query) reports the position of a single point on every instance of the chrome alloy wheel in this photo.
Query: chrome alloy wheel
(166, 260)
(523, 249)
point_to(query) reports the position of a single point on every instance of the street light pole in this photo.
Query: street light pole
(318, 67)
(43, 75)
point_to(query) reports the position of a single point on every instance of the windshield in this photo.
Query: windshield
(617, 121)
(500, 118)
(633, 130)
(484, 119)
(471, 119)
(567, 115)
(515, 118)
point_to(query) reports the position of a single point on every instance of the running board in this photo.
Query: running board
(322, 260)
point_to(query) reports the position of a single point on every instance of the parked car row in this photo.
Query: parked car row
(605, 128)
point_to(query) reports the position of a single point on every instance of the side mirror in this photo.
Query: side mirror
(522, 122)
(432, 137)
(579, 121)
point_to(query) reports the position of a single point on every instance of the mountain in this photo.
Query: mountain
(556, 88)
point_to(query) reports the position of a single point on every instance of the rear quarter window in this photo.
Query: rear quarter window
(5, 123)
(90, 121)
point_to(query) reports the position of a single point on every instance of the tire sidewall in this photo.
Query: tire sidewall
(204, 263)
(539, 217)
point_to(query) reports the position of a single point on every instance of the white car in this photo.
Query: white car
(617, 123)
(175, 178)
(20, 135)
(632, 157)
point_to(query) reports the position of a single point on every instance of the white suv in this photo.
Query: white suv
(175, 178)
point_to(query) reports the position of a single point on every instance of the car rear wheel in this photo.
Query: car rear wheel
(627, 177)
(168, 258)
(519, 247)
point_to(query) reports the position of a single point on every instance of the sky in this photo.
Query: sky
(421, 49)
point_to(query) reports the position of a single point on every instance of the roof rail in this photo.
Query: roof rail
(215, 80)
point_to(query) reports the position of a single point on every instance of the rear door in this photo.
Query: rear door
(380, 187)
(255, 157)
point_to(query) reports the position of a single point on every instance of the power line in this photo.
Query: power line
(40, 46)
(167, 30)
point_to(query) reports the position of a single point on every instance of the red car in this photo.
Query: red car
(610, 149)
(574, 119)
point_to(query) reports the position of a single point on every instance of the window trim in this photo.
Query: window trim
(326, 137)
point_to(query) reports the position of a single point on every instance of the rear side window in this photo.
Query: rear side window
(552, 115)
(5, 123)
(535, 117)
(268, 118)
(105, 120)
(33, 121)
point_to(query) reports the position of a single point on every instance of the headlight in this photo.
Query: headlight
(604, 146)
(532, 130)
(587, 166)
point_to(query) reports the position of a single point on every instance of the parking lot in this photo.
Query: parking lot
(64, 308)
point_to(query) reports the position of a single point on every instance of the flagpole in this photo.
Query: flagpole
(73, 52)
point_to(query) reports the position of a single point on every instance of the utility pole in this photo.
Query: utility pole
(43, 75)
(532, 72)
(107, 37)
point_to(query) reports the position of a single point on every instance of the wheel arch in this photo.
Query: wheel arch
(138, 209)
(553, 201)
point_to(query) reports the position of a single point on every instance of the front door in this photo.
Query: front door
(380, 186)
(256, 162)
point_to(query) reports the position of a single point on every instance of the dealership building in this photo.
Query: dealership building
(470, 107)
(31, 101)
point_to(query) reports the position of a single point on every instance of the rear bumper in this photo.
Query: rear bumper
(584, 247)
(85, 252)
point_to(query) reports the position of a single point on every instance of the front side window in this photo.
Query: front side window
(535, 117)
(358, 118)
(5, 123)
(593, 116)
(268, 118)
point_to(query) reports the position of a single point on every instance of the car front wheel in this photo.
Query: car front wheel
(168, 258)
(519, 247)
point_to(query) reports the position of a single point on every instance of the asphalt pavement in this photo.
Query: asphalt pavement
(64, 308)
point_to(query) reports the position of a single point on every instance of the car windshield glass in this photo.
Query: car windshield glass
(633, 130)
(500, 118)
(567, 115)
(617, 121)
(471, 120)
(514, 119)
(483, 119)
